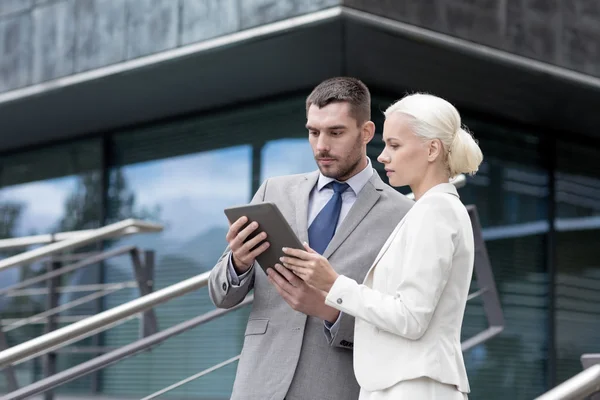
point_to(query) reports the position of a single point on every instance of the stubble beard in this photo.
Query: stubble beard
(343, 172)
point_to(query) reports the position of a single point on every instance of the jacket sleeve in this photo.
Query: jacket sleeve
(224, 292)
(343, 333)
(426, 264)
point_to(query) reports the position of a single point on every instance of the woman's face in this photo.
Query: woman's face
(405, 156)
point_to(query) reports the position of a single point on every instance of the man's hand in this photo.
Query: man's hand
(301, 296)
(243, 253)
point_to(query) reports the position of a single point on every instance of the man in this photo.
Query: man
(295, 346)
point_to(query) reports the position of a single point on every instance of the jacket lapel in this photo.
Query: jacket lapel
(386, 245)
(302, 196)
(442, 188)
(367, 197)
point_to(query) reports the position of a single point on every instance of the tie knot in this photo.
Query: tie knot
(339, 187)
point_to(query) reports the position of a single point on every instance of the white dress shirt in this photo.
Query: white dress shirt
(318, 198)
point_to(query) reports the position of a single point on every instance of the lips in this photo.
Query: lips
(326, 161)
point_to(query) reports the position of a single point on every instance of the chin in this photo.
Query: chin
(332, 173)
(395, 182)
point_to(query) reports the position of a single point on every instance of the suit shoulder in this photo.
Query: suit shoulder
(394, 199)
(287, 179)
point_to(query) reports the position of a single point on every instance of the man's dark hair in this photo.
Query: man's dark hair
(343, 90)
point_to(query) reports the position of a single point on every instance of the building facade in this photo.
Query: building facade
(171, 110)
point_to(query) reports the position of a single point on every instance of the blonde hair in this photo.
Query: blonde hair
(432, 117)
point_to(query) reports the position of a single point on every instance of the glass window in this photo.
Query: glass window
(511, 193)
(53, 189)
(286, 157)
(577, 281)
(183, 174)
(187, 194)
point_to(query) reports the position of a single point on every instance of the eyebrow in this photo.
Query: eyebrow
(329, 128)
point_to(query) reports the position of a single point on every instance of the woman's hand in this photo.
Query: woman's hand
(310, 266)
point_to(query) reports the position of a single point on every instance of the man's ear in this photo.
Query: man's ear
(368, 131)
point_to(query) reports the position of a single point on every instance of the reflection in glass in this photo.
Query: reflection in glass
(187, 194)
(286, 157)
(577, 281)
(510, 192)
(38, 198)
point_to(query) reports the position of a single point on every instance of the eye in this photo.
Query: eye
(394, 146)
(335, 133)
(313, 133)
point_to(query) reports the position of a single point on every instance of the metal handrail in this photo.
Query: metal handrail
(70, 289)
(589, 359)
(578, 387)
(69, 268)
(99, 322)
(127, 226)
(67, 306)
(119, 354)
(133, 227)
(193, 377)
(55, 251)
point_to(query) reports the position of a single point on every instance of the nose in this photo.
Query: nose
(383, 158)
(322, 144)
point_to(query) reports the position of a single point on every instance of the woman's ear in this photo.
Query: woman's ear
(435, 150)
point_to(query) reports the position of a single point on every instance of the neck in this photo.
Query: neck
(427, 182)
(362, 164)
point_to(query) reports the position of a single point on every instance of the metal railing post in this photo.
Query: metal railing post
(52, 299)
(149, 323)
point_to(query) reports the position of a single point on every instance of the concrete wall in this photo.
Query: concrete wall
(560, 32)
(42, 40)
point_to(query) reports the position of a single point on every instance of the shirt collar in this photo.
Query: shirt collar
(356, 183)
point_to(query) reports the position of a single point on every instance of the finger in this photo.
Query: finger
(301, 254)
(259, 250)
(299, 271)
(281, 282)
(287, 274)
(286, 296)
(235, 227)
(295, 261)
(242, 235)
(307, 247)
(252, 243)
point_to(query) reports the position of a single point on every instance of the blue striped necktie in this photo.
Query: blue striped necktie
(322, 228)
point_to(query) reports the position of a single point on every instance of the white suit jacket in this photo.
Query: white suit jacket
(409, 311)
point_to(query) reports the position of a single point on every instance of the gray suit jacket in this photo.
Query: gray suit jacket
(286, 353)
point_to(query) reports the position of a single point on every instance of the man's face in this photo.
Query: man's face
(338, 143)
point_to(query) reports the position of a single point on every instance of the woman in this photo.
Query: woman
(410, 307)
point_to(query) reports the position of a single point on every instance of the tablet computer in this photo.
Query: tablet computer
(271, 221)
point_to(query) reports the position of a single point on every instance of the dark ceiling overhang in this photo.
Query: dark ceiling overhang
(294, 55)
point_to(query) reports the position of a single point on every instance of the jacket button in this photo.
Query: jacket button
(224, 286)
(339, 301)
